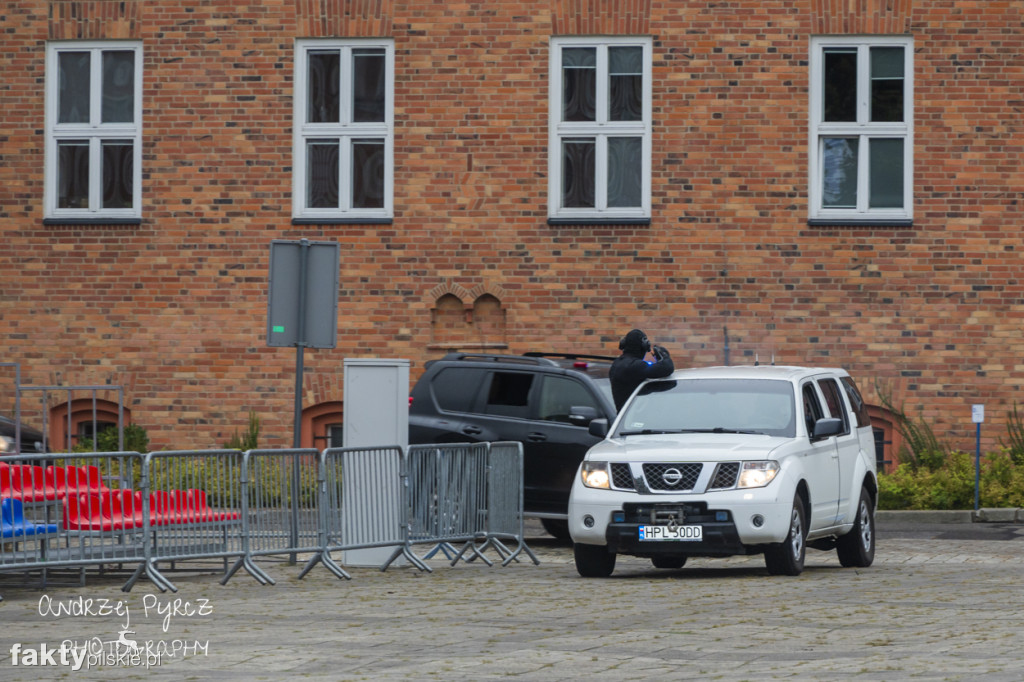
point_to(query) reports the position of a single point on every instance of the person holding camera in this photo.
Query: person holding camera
(630, 369)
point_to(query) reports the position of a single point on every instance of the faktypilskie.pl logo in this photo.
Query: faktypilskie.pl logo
(122, 650)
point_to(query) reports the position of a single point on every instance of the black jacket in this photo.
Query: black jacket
(629, 370)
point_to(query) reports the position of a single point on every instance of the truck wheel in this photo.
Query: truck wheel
(593, 561)
(557, 528)
(857, 548)
(787, 557)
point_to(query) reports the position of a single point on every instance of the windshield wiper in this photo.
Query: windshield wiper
(717, 429)
(722, 429)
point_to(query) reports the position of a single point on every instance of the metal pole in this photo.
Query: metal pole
(977, 466)
(300, 347)
(725, 332)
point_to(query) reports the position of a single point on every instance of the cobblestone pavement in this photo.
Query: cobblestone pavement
(946, 603)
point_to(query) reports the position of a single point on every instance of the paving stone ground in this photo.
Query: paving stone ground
(940, 604)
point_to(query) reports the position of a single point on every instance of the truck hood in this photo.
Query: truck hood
(687, 447)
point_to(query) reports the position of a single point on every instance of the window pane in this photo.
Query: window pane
(625, 83)
(368, 174)
(117, 174)
(73, 174)
(839, 172)
(625, 166)
(579, 84)
(118, 87)
(322, 174)
(886, 173)
(73, 87)
(886, 84)
(368, 70)
(840, 86)
(578, 174)
(324, 82)
(558, 395)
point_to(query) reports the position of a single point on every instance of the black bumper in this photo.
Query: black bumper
(719, 536)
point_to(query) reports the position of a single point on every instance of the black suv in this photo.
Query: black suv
(31, 439)
(546, 401)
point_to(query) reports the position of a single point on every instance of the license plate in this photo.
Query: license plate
(677, 533)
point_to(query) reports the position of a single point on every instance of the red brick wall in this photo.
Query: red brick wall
(175, 308)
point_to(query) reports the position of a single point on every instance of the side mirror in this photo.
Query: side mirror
(599, 428)
(823, 428)
(581, 415)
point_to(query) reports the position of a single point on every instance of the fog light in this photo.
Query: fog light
(757, 520)
(588, 521)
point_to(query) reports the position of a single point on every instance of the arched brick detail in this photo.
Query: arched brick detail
(81, 413)
(489, 322)
(448, 288)
(316, 420)
(495, 290)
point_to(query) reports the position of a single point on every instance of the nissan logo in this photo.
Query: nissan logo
(671, 476)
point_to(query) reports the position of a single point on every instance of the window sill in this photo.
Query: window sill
(599, 221)
(92, 221)
(860, 222)
(342, 221)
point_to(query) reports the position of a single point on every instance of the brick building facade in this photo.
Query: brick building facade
(816, 181)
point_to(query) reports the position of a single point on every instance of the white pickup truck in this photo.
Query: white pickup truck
(721, 461)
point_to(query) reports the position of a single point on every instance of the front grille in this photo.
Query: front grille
(725, 475)
(621, 476)
(672, 477)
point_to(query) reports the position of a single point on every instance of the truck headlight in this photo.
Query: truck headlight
(757, 474)
(595, 475)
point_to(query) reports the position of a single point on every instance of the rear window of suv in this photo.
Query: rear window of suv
(454, 389)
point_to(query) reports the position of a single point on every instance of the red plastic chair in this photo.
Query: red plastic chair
(27, 483)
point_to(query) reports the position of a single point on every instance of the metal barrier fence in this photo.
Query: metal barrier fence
(280, 507)
(72, 511)
(445, 495)
(505, 502)
(154, 510)
(195, 508)
(361, 491)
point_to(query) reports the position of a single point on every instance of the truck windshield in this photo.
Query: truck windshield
(763, 406)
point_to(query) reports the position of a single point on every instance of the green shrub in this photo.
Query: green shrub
(1014, 444)
(950, 485)
(249, 440)
(920, 447)
(135, 440)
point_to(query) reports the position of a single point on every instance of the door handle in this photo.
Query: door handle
(535, 437)
(472, 430)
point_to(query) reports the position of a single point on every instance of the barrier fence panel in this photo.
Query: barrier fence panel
(505, 501)
(362, 495)
(72, 510)
(194, 506)
(281, 505)
(445, 495)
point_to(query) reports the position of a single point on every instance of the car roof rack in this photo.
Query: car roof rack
(493, 357)
(568, 356)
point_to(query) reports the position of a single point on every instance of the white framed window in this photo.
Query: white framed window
(344, 130)
(93, 131)
(599, 142)
(861, 144)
